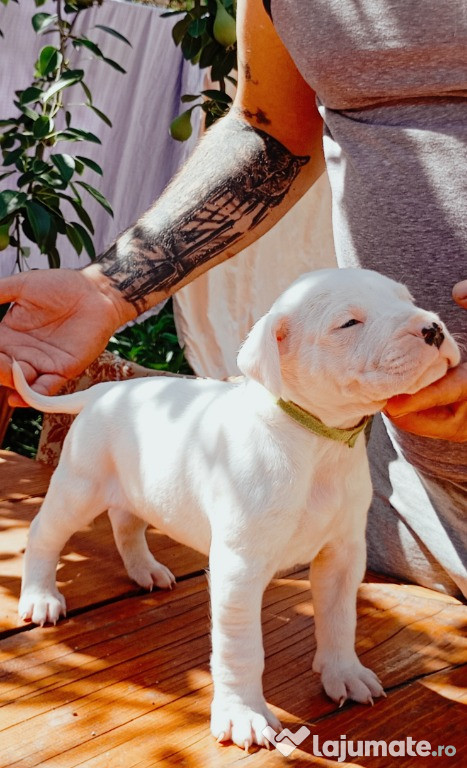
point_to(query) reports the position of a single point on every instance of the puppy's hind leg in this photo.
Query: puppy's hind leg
(129, 532)
(70, 504)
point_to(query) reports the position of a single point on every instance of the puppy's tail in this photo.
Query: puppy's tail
(73, 403)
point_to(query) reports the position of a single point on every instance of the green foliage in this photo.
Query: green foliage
(207, 38)
(23, 433)
(153, 344)
(30, 140)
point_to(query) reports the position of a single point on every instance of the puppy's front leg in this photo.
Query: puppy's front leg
(335, 575)
(238, 711)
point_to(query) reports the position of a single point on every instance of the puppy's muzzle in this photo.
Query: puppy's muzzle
(433, 335)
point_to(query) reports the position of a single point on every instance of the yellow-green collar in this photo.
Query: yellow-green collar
(307, 420)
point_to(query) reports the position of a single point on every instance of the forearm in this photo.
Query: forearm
(236, 185)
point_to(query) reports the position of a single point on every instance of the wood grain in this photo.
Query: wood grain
(124, 682)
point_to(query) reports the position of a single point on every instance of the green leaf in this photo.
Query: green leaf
(29, 95)
(74, 237)
(4, 236)
(82, 214)
(114, 33)
(41, 21)
(58, 223)
(165, 15)
(7, 141)
(86, 90)
(29, 113)
(25, 178)
(43, 126)
(114, 65)
(100, 114)
(53, 258)
(180, 29)
(97, 196)
(4, 175)
(68, 78)
(9, 158)
(90, 164)
(39, 166)
(85, 43)
(190, 47)
(49, 60)
(207, 54)
(78, 197)
(65, 164)
(197, 27)
(221, 96)
(39, 219)
(49, 198)
(76, 134)
(86, 240)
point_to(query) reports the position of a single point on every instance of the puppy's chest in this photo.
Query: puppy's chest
(336, 502)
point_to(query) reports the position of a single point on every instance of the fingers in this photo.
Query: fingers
(15, 401)
(11, 287)
(441, 423)
(459, 293)
(452, 388)
(47, 384)
(6, 379)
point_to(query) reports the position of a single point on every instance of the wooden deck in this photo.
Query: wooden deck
(124, 681)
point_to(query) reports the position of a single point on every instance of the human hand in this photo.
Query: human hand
(459, 293)
(60, 321)
(439, 410)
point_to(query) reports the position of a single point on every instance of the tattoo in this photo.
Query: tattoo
(247, 73)
(204, 211)
(260, 116)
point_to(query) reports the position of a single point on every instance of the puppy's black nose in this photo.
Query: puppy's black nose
(433, 335)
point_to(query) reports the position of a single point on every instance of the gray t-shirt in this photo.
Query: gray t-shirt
(391, 83)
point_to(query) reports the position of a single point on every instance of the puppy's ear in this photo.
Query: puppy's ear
(259, 357)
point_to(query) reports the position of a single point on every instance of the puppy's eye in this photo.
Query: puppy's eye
(349, 323)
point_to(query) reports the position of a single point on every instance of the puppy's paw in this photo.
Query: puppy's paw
(343, 681)
(41, 606)
(149, 573)
(243, 724)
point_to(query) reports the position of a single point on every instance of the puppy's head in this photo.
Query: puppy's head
(341, 342)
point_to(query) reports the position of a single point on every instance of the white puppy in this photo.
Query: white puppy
(256, 483)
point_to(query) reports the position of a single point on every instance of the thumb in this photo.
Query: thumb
(459, 293)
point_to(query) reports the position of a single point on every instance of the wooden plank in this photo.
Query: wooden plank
(128, 684)
(90, 569)
(21, 477)
(431, 710)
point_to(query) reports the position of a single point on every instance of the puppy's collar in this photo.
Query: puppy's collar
(313, 424)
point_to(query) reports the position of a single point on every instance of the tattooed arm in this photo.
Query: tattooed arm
(234, 181)
(247, 171)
